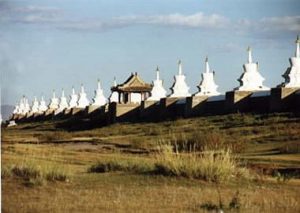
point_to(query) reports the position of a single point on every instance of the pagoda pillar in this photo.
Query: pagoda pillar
(129, 97)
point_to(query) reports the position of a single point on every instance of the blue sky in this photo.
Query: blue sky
(55, 44)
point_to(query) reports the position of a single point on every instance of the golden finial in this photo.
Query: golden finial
(206, 59)
(249, 49)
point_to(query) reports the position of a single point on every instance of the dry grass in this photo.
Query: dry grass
(126, 189)
(131, 166)
(210, 165)
(35, 173)
(135, 193)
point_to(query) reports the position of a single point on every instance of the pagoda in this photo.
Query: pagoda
(22, 106)
(251, 79)
(158, 91)
(53, 102)
(16, 109)
(292, 74)
(133, 90)
(99, 99)
(63, 104)
(26, 106)
(73, 100)
(83, 101)
(43, 106)
(114, 97)
(207, 86)
(179, 87)
(35, 106)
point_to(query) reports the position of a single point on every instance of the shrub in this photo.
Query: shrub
(5, 172)
(35, 174)
(121, 165)
(57, 175)
(215, 166)
(26, 171)
(200, 141)
(209, 206)
(290, 148)
(101, 167)
(235, 202)
(54, 137)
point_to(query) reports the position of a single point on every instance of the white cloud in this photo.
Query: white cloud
(55, 17)
(285, 23)
(30, 14)
(196, 20)
(37, 9)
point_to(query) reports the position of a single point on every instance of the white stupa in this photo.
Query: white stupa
(35, 106)
(99, 99)
(43, 106)
(16, 109)
(63, 103)
(207, 86)
(83, 102)
(158, 91)
(114, 97)
(21, 109)
(53, 102)
(26, 106)
(292, 74)
(73, 100)
(251, 79)
(180, 88)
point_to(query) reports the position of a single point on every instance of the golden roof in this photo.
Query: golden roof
(133, 84)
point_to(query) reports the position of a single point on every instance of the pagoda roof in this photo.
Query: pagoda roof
(133, 84)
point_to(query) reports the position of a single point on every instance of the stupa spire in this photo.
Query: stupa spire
(179, 67)
(74, 99)
(35, 105)
(114, 96)
(63, 93)
(16, 109)
(54, 102)
(206, 65)
(83, 100)
(297, 54)
(63, 104)
(22, 106)
(98, 84)
(27, 106)
(249, 55)
(157, 73)
(115, 82)
(42, 107)
(99, 99)
(82, 88)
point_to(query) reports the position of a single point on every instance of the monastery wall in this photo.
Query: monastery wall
(276, 100)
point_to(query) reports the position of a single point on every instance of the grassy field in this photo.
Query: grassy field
(172, 166)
